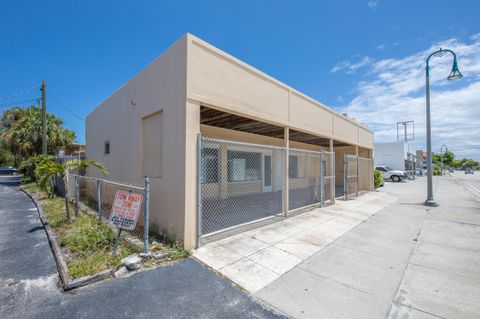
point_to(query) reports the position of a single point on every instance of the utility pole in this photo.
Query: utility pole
(44, 117)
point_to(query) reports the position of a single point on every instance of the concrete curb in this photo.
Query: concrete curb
(62, 268)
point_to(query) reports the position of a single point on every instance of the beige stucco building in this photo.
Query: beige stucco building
(150, 126)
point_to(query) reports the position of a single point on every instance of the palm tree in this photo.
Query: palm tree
(48, 169)
(21, 128)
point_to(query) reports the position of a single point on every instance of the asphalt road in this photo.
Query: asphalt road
(28, 280)
(470, 181)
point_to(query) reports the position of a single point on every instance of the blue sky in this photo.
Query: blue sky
(342, 53)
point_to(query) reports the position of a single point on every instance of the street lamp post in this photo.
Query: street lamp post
(441, 157)
(454, 75)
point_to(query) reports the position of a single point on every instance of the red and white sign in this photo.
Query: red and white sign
(125, 210)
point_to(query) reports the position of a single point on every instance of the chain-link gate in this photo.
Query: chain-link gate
(309, 174)
(350, 175)
(239, 183)
(358, 175)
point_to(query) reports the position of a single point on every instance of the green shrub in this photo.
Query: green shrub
(436, 170)
(377, 177)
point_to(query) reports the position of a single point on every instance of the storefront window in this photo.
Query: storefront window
(210, 165)
(244, 166)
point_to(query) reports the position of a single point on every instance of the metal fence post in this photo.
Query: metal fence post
(76, 196)
(146, 216)
(345, 176)
(356, 188)
(99, 199)
(199, 188)
(322, 180)
(334, 178)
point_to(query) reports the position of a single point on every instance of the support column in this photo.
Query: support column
(332, 172)
(286, 144)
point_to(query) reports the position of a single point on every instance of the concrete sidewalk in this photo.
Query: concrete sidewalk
(256, 258)
(406, 261)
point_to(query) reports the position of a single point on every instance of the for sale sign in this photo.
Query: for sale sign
(125, 210)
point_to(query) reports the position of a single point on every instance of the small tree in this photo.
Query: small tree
(48, 169)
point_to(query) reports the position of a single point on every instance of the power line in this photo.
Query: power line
(19, 93)
(17, 103)
(66, 108)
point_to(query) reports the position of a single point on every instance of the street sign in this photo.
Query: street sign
(125, 210)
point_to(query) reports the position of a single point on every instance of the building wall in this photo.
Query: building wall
(391, 154)
(161, 86)
(190, 74)
(235, 87)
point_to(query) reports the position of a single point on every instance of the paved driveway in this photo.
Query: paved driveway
(28, 280)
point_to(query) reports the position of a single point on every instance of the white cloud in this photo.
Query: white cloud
(372, 4)
(394, 90)
(380, 47)
(349, 67)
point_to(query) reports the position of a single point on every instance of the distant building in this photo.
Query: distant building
(395, 155)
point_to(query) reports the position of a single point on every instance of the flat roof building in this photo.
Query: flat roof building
(264, 147)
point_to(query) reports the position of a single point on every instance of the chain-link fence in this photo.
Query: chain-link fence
(310, 175)
(365, 174)
(358, 175)
(350, 178)
(240, 183)
(98, 195)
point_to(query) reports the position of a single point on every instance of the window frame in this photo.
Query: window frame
(218, 177)
(245, 150)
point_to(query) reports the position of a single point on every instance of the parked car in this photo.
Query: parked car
(451, 170)
(394, 176)
(8, 170)
(468, 170)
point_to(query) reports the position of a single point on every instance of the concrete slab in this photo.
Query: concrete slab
(302, 294)
(403, 312)
(440, 293)
(250, 275)
(298, 248)
(381, 246)
(268, 235)
(366, 272)
(275, 259)
(457, 235)
(243, 245)
(460, 261)
(216, 256)
(458, 215)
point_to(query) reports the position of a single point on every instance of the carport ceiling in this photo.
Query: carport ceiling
(230, 121)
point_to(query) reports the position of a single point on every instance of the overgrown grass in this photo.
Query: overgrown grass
(87, 242)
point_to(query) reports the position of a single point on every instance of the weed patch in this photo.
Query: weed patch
(87, 243)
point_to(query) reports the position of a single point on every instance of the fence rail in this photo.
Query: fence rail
(99, 194)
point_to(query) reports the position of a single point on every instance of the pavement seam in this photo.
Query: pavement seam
(420, 310)
(405, 269)
(445, 271)
(337, 282)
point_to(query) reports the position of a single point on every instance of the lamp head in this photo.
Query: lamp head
(455, 74)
